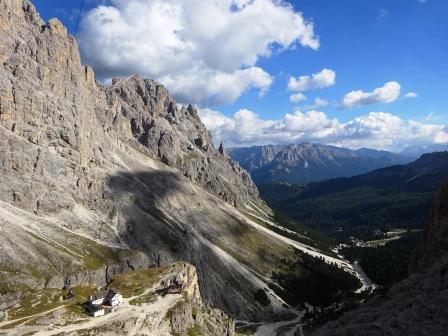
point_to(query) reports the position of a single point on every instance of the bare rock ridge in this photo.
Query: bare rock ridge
(307, 162)
(51, 100)
(94, 177)
(416, 306)
(177, 137)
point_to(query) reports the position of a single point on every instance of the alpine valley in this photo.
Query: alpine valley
(98, 182)
(118, 189)
(305, 163)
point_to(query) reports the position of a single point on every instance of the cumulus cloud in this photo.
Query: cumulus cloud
(411, 95)
(203, 51)
(386, 94)
(318, 102)
(382, 13)
(319, 80)
(297, 97)
(376, 129)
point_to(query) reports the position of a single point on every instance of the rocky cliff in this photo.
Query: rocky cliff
(49, 99)
(93, 176)
(417, 305)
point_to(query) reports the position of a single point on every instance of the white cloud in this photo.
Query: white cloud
(203, 51)
(441, 137)
(411, 95)
(318, 102)
(376, 130)
(319, 80)
(297, 97)
(386, 94)
(382, 13)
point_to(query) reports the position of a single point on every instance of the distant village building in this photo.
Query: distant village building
(98, 298)
(109, 298)
(95, 310)
(114, 298)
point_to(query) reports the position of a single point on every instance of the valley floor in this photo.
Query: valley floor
(355, 269)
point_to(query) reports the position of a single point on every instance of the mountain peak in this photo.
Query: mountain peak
(309, 162)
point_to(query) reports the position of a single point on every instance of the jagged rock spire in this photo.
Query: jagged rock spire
(221, 149)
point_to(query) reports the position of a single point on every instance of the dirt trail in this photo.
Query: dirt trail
(27, 318)
(123, 313)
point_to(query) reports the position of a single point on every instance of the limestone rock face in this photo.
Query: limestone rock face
(86, 169)
(183, 276)
(48, 98)
(177, 137)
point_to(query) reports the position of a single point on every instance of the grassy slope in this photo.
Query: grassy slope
(134, 283)
(392, 197)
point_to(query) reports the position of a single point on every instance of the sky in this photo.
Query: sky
(348, 73)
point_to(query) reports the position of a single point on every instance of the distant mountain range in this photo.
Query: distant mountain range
(392, 197)
(417, 151)
(305, 163)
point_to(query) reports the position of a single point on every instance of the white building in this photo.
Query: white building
(98, 298)
(95, 310)
(106, 299)
(115, 299)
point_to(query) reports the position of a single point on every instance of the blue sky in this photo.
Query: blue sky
(408, 45)
(365, 43)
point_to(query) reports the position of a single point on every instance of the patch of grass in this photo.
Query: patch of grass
(300, 233)
(134, 283)
(172, 310)
(196, 330)
(97, 255)
(35, 302)
(92, 262)
(76, 304)
(147, 298)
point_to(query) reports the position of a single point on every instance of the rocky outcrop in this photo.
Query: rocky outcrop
(85, 167)
(305, 163)
(153, 312)
(181, 277)
(101, 276)
(417, 305)
(433, 246)
(190, 314)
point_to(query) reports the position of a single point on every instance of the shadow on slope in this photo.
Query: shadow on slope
(171, 219)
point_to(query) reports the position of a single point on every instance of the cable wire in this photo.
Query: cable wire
(79, 17)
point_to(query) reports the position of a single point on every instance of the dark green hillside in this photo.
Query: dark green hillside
(393, 197)
(312, 280)
(385, 264)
